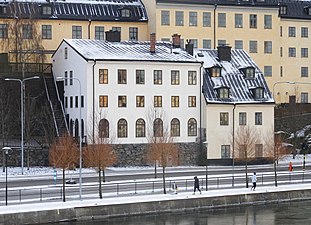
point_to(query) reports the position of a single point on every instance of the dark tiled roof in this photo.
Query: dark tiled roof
(105, 10)
(233, 78)
(129, 51)
(295, 8)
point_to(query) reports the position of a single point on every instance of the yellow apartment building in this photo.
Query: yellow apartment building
(28, 27)
(274, 33)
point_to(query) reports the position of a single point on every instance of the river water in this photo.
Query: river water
(294, 213)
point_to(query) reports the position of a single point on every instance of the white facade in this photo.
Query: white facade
(87, 72)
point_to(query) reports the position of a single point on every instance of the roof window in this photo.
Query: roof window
(249, 72)
(125, 13)
(3, 10)
(46, 10)
(283, 10)
(308, 10)
(215, 71)
(223, 92)
(258, 92)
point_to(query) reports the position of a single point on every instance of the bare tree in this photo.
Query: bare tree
(100, 154)
(162, 147)
(246, 138)
(275, 149)
(63, 154)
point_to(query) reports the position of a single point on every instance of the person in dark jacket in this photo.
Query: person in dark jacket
(196, 185)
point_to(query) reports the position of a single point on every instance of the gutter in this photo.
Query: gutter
(93, 71)
(215, 7)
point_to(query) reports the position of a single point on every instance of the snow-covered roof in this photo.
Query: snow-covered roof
(128, 51)
(103, 10)
(232, 77)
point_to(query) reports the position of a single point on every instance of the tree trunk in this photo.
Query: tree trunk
(246, 175)
(163, 175)
(64, 184)
(104, 177)
(100, 184)
(275, 175)
(155, 169)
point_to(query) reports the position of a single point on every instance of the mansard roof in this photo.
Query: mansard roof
(240, 87)
(297, 9)
(103, 10)
(129, 51)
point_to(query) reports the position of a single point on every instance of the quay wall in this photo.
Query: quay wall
(97, 212)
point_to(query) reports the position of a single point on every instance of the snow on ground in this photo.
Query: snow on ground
(145, 198)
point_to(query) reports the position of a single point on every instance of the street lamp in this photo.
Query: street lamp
(206, 167)
(22, 81)
(80, 137)
(6, 152)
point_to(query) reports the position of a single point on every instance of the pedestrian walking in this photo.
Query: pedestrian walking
(174, 187)
(196, 185)
(254, 180)
(290, 167)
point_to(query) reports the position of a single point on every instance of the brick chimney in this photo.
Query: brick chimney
(152, 42)
(176, 40)
(224, 53)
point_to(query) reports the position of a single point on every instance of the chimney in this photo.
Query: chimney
(113, 36)
(152, 42)
(189, 47)
(224, 53)
(176, 40)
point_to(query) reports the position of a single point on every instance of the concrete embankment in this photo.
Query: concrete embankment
(139, 205)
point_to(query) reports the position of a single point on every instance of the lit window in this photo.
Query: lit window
(215, 72)
(140, 128)
(103, 76)
(192, 127)
(192, 101)
(175, 128)
(103, 101)
(140, 101)
(157, 77)
(122, 101)
(157, 101)
(175, 101)
(175, 77)
(224, 118)
(192, 77)
(122, 128)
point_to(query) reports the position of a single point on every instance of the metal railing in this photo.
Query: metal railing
(110, 189)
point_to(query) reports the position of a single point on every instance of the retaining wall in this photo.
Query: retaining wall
(96, 212)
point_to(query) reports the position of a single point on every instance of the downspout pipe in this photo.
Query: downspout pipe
(215, 7)
(93, 133)
(89, 29)
(233, 140)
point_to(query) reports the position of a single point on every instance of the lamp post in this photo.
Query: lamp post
(206, 167)
(6, 152)
(22, 81)
(80, 137)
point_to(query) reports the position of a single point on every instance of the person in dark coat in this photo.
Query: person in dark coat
(196, 185)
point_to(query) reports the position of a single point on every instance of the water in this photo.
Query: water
(295, 213)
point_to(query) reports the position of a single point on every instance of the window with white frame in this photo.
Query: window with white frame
(122, 101)
(175, 127)
(304, 71)
(192, 77)
(267, 21)
(192, 127)
(207, 43)
(192, 101)
(267, 47)
(258, 118)
(47, 32)
(252, 21)
(103, 101)
(140, 101)
(221, 19)
(122, 128)
(165, 17)
(157, 101)
(304, 52)
(223, 92)
(179, 18)
(238, 44)
(175, 77)
(76, 32)
(242, 118)
(304, 32)
(157, 77)
(140, 76)
(225, 151)
(206, 19)
(253, 47)
(224, 118)
(27, 31)
(140, 128)
(103, 76)
(174, 101)
(292, 32)
(267, 71)
(291, 52)
(238, 20)
(193, 19)
(304, 97)
(99, 33)
(3, 31)
(133, 33)
(122, 76)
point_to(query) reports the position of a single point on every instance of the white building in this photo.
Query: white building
(123, 84)
(237, 97)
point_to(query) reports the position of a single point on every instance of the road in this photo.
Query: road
(141, 181)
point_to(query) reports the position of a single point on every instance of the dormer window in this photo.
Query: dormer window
(249, 72)
(283, 10)
(223, 92)
(125, 13)
(46, 10)
(3, 10)
(258, 93)
(308, 10)
(215, 71)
